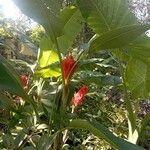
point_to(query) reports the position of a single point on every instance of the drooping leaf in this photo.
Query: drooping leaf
(9, 80)
(118, 38)
(44, 12)
(137, 77)
(102, 132)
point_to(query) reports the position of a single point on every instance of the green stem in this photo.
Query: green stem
(129, 108)
(62, 72)
(131, 115)
(60, 60)
(58, 141)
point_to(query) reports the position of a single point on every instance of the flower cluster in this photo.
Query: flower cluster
(25, 81)
(69, 66)
(79, 96)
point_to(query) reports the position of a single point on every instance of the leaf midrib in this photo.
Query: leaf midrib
(117, 36)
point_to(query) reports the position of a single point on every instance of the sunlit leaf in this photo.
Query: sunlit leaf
(47, 57)
(44, 12)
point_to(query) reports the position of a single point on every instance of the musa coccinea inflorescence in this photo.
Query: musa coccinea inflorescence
(52, 109)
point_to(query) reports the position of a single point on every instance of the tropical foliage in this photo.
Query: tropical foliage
(71, 77)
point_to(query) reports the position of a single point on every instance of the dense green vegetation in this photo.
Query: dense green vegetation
(88, 87)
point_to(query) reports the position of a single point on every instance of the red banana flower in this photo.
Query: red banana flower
(79, 96)
(69, 66)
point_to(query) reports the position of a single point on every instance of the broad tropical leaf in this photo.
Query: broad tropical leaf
(106, 15)
(45, 12)
(9, 80)
(47, 57)
(98, 78)
(102, 132)
(118, 38)
(140, 49)
(52, 70)
(112, 21)
(72, 24)
(137, 77)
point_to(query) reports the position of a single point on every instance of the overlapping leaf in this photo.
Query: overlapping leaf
(98, 78)
(47, 58)
(105, 15)
(138, 78)
(118, 37)
(72, 21)
(102, 132)
(112, 21)
(45, 12)
(140, 49)
(9, 79)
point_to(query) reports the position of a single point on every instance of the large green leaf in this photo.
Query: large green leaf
(47, 54)
(52, 70)
(72, 21)
(140, 49)
(112, 21)
(45, 12)
(5, 102)
(102, 132)
(105, 15)
(137, 77)
(47, 57)
(118, 38)
(98, 78)
(9, 80)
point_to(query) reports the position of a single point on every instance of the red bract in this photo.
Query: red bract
(25, 81)
(69, 66)
(79, 96)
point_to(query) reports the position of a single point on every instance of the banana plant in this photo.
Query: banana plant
(116, 30)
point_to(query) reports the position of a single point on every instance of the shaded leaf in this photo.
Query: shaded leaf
(140, 49)
(44, 12)
(99, 79)
(102, 132)
(5, 102)
(45, 142)
(9, 79)
(137, 77)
